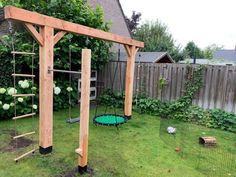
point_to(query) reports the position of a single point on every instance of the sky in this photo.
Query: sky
(205, 22)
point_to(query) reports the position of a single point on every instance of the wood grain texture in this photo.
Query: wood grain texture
(218, 90)
(84, 107)
(21, 15)
(46, 88)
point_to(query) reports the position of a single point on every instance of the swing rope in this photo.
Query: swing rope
(110, 119)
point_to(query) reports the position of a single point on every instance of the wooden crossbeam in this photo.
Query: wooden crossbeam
(23, 95)
(23, 116)
(22, 53)
(25, 154)
(23, 75)
(58, 36)
(13, 13)
(31, 29)
(23, 135)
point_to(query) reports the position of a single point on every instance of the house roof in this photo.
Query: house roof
(147, 57)
(203, 61)
(228, 55)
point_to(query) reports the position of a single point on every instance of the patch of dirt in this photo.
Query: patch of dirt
(74, 173)
(13, 144)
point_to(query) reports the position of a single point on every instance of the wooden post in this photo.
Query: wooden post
(46, 91)
(131, 51)
(84, 110)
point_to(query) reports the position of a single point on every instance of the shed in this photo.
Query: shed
(150, 57)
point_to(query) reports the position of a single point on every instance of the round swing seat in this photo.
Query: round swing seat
(109, 119)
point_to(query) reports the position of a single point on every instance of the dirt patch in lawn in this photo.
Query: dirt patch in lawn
(13, 144)
(74, 173)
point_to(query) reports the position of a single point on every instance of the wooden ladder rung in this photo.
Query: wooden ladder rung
(25, 154)
(23, 75)
(23, 116)
(22, 53)
(22, 135)
(23, 95)
(79, 151)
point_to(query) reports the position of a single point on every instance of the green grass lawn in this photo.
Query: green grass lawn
(140, 148)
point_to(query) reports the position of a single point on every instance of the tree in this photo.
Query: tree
(157, 38)
(133, 21)
(193, 51)
(208, 52)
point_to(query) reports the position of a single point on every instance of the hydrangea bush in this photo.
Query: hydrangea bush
(24, 105)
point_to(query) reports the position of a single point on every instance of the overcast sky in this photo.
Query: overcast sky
(203, 21)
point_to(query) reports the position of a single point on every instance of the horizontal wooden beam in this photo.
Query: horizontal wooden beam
(22, 53)
(24, 116)
(23, 75)
(23, 135)
(25, 154)
(25, 16)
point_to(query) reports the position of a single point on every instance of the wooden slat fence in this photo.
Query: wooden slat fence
(218, 91)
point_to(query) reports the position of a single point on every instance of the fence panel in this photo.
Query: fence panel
(218, 90)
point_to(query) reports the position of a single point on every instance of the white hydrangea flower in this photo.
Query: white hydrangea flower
(12, 104)
(20, 99)
(33, 88)
(2, 90)
(25, 84)
(57, 90)
(11, 91)
(0, 102)
(69, 89)
(35, 106)
(20, 82)
(54, 85)
(6, 107)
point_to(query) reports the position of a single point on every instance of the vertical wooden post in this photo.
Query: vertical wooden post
(84, 110)
(131, 51)
(46, 91)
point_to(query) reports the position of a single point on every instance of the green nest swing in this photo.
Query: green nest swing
(109, 120)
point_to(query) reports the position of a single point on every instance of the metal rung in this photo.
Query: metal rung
(22, 53)
(22, 95)
(25, 134)
(23, 75)
(23, 116)
(79, 151)
(23, 155)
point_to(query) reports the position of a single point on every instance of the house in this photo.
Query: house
(225, 56)
(203, 61)
(149, 57)
(113, 13)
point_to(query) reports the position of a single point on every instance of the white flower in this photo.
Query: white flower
(20, 82)
(2, 90)
(54, 85)
(12, 104)
(33, 88)
(69, 89)
(0, 102)
(35, 106)
(57, 90)
(11, 91)
(6, 106)
(24, 84)
(20, 99)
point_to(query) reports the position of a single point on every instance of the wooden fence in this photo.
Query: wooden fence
(218, 91)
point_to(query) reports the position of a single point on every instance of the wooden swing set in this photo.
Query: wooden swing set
(46, 39)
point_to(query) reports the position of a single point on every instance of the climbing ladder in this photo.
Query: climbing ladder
(15, 96)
